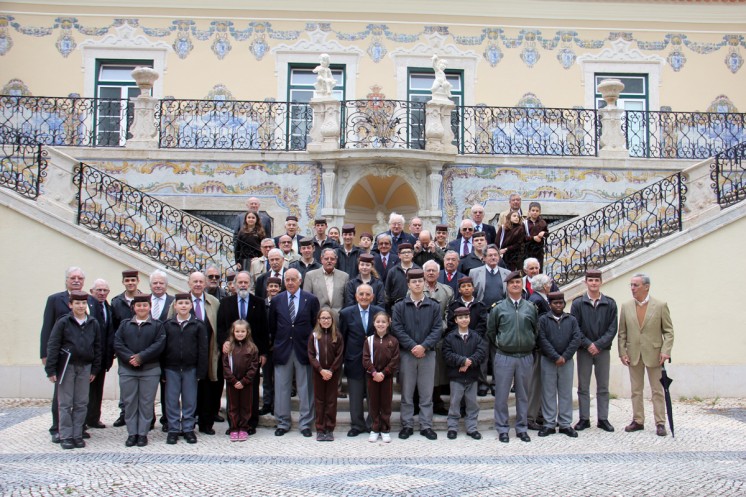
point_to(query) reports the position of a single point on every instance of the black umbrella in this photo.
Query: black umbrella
(666, 382)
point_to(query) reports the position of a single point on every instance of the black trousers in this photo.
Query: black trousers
(95, 397)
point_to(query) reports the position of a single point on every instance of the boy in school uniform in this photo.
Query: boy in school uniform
(464, 351)
(559, 339)
(73, 361)
(183, 362)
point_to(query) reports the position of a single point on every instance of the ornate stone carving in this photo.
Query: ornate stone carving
(613, 143)
(325, 82)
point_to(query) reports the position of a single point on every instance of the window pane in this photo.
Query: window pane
(302, 77)
(301, 95)
(455, 81)
(421, 81)
(113, 92)
(633, 85)
(116, 73)
(338, 74)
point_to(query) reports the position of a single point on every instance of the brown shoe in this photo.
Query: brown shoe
(634, 426)
(660, 430)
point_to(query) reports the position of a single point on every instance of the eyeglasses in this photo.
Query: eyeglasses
(213, 277)
(285, 243)
(467, 229)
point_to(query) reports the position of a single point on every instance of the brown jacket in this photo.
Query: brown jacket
(245, 365)
(385, 355)
(330, 354)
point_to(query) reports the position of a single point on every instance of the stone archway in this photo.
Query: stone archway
(373, 198)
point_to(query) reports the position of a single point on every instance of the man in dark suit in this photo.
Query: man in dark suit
(250, 308)
(160, 304)
(397, 233)
(477, 217)
(450, 275)
(292, 317)
(385, 259)
(355, 324)
(463, 245)
(102, 312)
(58, 305)
(276, 270)
(291, 230)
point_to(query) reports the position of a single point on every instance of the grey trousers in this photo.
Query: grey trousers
(600, 365)
(534, 389)
(356, 391)
(469, 394)
(284, 384)
(556, 386)
(138, 389)
(72, 398)
(181, 384)
(507, 371)
(419, 373)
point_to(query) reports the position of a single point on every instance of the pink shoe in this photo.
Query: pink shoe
(242, 436)
(234, 436)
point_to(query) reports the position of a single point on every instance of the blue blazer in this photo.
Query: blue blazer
(351, 327)
(290, 335)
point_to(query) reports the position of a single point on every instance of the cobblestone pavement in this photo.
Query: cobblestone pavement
(707, 458)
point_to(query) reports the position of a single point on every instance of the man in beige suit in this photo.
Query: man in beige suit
(645, 343)
(327, 284)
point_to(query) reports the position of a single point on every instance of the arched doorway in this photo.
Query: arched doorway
(371, 200)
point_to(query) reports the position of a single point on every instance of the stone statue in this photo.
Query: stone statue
(441, 87)
(325, 83)
(381, 225)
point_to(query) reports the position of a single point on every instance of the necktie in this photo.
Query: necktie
(383, 259)
(266, 265)
(291, 307)
(198, 309)
(464, 336)
(528, 287)
(477, 228)
(156, 308)
(466, 248)
(450, 276)
(516, 305)
(103, 313)
(242, 308)
(364, 315)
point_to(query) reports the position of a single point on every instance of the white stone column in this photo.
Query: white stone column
(144, 131)
(438, 132)
(334, 216)
(613, 144)
(324, 134)
(432, 214)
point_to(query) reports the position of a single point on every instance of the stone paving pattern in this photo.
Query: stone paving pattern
(707, 458)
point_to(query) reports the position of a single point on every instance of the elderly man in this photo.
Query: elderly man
(348, 253)
(260, 265)
(276, 270)
(417, 324)
(214, 279)
(477, 216)
(515, 205)
(512, 328)
(397, 233)
(443, 295)
(415, 227)
(160, 304)
(286, 245)
(58, 305)
(596, 314)
(306, 262)
(291, 230)
(464, 245)
(450, 274)
(645, 343)
(253, 204)
(424, 250)
(102, 312)
(356, 324)
(292, 317)
(385, 259)
(328, 283)
(531, 268)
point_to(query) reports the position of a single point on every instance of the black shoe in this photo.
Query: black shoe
(482, 391)
(545, 432)
(603, 424)
(452, 435)
(228, 431)
(265, 410)
(56, 438)
(504, 438)
(353, 432)
(172, 438)
(523, 436)
(164, 427)
(280, 432)
(79, 443)
(86, 434)
(219, 419)
(306, 432)
(251, 430)
(207, 431)
(190, 437)
(429, 434)
(405, 433)
(131, 441)
(97, 425)
(533, 425)
(440, 410)
(475, 435)
(142, 440)
(119, 422)
(569, 432)
(67, 443)
(582, 424)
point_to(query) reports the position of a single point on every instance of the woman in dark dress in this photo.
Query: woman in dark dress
(249, 240)
(510, 239)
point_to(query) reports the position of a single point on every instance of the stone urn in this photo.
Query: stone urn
(145, 77)
(610, 90)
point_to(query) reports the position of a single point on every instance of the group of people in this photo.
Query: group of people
(437, 316)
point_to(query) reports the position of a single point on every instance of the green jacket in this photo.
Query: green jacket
(513, 331)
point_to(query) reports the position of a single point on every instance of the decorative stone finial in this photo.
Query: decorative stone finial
(610, 90)
(145, 77)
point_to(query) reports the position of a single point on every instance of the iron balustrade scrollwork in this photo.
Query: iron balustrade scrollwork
(616, 230)
(728, 175)
(23, 163)
(233, 125)
(68, 121)
(383, 124)
(526, 131)
(681, 135)
(132, 218)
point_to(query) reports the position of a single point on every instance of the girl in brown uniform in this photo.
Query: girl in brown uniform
(239, 369)
(325, 353)
(381, 361)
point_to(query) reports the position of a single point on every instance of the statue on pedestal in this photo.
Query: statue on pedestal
(325, 83)
(441, 87)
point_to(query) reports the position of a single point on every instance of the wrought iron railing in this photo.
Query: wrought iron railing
(23, 163)
(728, 175)
(616, 230)
(234, 125)
(68, 121)
(383, 124)
(143, 223)
(682, 135)
(526, 131)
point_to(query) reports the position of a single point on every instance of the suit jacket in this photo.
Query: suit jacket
(351, 327)
(649, 341)
(260, 288)
(478, 276)
(290, 335)
(58, 305)
(314, 283)
(107, 333)
(469, 262)
(443, 278)
(458, 244)
(393, 260)
(166, 307)
(404, 237)
(256, 315)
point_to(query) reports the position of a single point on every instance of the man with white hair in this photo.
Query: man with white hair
(531, 268)
(464, 245)
(277, 268)
(160, 304)
(102, 312)
(477, 216)
(397, 233)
